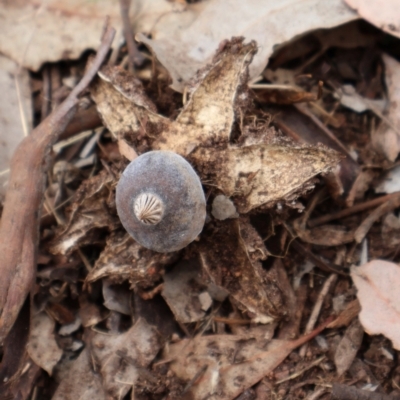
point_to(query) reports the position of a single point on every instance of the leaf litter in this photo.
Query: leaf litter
(223, 317)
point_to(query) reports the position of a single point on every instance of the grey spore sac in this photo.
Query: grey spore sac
(160, 201)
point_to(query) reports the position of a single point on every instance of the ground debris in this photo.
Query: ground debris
(124, 259)
(223, 317)
(92, 209)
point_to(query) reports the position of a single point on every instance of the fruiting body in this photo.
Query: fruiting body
(160, 201)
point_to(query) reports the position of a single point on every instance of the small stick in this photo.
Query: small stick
(135, 58)
(379, 212)
(196, 377)
(320, 263)
(351, 210)
(301, 371)
(317, 309)
(317, 393)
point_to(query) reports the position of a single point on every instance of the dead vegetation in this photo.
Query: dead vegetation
(291, 289)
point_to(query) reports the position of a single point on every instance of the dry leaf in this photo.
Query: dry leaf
(42, 345)
(384, 15)
(348, 347)
(182, 290)
(81, 381)
(387, 137)
(227, 365)
(345, 317)
(52, 30)
(38, 31)
(123, 357)
(185, 42)
(378, 285)
(282, 94)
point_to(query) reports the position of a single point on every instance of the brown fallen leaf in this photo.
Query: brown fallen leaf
(348, 347)
(221, 367)
(53, 30)
(42, 345)
(183, 291)
(378, 285)
(325, 235)
(81, 382)
(283, 94)
(185, 42)
(123, 358)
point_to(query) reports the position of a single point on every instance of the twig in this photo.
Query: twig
(196, 377)
(135, 58)
(319, 262)
(19, 229)
(317, 393)
(383, 209)
(301, 371)
(317, 308)
(22, 113)
(351, 210)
